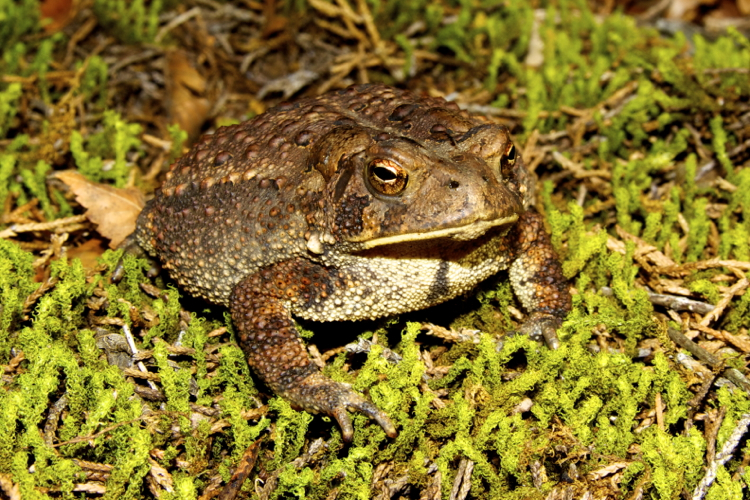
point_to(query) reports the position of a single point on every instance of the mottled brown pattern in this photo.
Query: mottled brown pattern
(358, 204)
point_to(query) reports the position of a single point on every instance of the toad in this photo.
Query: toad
(361, 203)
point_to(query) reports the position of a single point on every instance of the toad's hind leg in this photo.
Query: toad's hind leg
(274, 350)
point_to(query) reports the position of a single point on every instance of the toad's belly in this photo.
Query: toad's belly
(372, 286)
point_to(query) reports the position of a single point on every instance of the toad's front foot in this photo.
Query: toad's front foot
(538, 280)
(267, 335)
(131, 247)
(319, 394)
(542, 326)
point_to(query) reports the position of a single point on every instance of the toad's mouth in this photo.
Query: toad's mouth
(466, 232)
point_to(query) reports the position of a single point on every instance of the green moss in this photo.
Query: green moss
(675, 462)
(16, 283)
(690, 189)
(653, 227)
(58, 312)
(10, 406)
(725, 487)
(705, 288)
(131, 466)
(737, 404)
(132, 22)
(175, 382)
(688, 93)
(28, 399)
(35, 181)
(94, 81)
(352, 474)
(242, 432)
(740, 199)
(719, 142)
(42, 62)
(537, 95)
(636, 321)
(17, 18)
(178, 138)
(739, 316)
(289, 433)
(168, 307)
(596, 391)
(456, 35)
(12, 59)
(674, 391)
(234, 372)
(671, 213)
(9, 99)
(507, 435)
(731, 51)
(582, 247)
(699, 228)
(184, 488)
(196, 337)
(60, 357)
(115, 140)
(408, 49)
(293, 482)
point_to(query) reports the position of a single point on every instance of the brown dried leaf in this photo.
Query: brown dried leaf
(58, 13)
(113, 210)
(607, 471)
(12, 491)
(161, 479)
(88, 252)
(685, 10)
(274, 22)
(726, 9)
(185, 86)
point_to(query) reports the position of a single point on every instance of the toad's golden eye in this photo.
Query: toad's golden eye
(386, 177)
(509, 158)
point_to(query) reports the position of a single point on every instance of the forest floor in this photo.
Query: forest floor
(634, 116)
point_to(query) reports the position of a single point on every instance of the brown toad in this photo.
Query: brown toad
(361, 203)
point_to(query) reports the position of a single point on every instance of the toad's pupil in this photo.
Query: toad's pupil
(384, 174)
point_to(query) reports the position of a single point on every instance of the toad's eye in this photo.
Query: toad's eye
(509, 158)
(386, 177)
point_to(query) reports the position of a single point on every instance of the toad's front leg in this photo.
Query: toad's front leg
(537, 278)
(274, 350)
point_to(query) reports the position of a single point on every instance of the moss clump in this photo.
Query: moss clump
(17, 18)
(115, 140)
(133, 22)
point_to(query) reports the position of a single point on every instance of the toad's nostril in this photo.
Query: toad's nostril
(453, 184)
